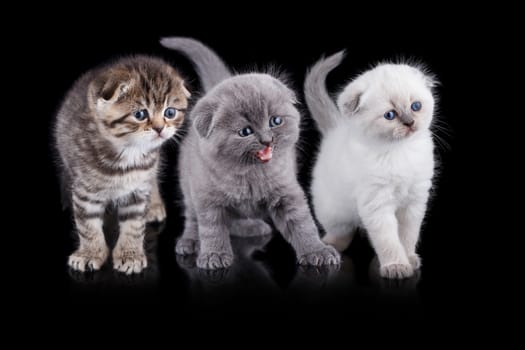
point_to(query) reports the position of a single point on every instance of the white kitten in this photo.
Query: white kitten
(376, 162)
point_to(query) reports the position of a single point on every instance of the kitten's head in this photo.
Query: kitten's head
(247, 119)
(390, 102)
(139, 101)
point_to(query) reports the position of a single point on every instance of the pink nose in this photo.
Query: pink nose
(158, 129)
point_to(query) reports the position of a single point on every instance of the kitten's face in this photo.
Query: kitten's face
(139, 103)
(248, 120)
(390, 102)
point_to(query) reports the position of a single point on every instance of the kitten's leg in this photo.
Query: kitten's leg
(410, 219)
(379, 219)
(250, 228)
(188, 243)
(293, 219)
(156, 209)
(128, 255)
(215, 248)
(89, 214)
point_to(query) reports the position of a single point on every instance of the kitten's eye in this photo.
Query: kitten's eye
(141, 114)
(390, 115)
(416, 106)
(275, 121)
(170, 112)
(247, 131)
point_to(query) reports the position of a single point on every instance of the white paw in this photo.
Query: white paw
(88, 259)
(156, 213)
(396, 271)
(129, 261)
(415, 261)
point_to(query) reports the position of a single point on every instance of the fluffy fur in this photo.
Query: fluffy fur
(109, 156)
(373, 172)
(238, 185)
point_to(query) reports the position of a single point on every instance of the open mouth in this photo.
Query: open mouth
(265, 155)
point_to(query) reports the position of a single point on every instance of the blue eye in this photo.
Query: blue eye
(170, 112)
(247, 131)
(141, 114)
(275, 121)
(390, 115)
(416, 106)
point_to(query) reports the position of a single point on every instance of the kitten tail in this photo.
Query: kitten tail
(209, 66)
(322, 108)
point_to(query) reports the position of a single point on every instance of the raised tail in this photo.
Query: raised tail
(209, 66)
(322, 108)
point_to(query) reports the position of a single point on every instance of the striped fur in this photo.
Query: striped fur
(107, 155)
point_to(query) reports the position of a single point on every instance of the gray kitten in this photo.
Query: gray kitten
(238, 165)
(108, 134)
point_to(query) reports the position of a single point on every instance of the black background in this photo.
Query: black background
(256, 38)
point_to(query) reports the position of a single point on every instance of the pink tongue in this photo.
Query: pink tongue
(265, 155)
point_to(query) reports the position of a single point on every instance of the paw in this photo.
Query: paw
(396, 271)
(129, 261)
(415, 261)
(186, 246)
(88, 259)
(213, 260)
(326, 255)
(156, 213)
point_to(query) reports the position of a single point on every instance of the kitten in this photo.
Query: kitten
(108, 133)
(376, 162)
(238, 166)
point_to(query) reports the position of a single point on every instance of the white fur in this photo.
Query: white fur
(374, 173)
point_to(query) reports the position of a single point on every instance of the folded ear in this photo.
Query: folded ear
(289, 93)
(203, 120)
(109, 88)
(349, 103)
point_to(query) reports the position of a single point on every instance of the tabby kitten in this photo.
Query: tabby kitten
(108, 133)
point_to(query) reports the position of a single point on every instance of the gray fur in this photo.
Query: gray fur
(227, 189)
(211, 70)
(322, 107)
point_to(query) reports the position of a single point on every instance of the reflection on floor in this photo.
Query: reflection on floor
(264, 269)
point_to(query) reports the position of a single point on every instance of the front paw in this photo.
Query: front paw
(396, 271)
(129, 261)
(88, 258)
(326, 255)
(156, 213)
(186, 246)
(214, 260)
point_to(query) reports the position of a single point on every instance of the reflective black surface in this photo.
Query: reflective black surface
(264, 279)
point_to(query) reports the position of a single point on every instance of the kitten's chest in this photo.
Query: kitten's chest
(121, 177)
(247, 189)
(123, 184)
(401, 168)
(251, 188)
